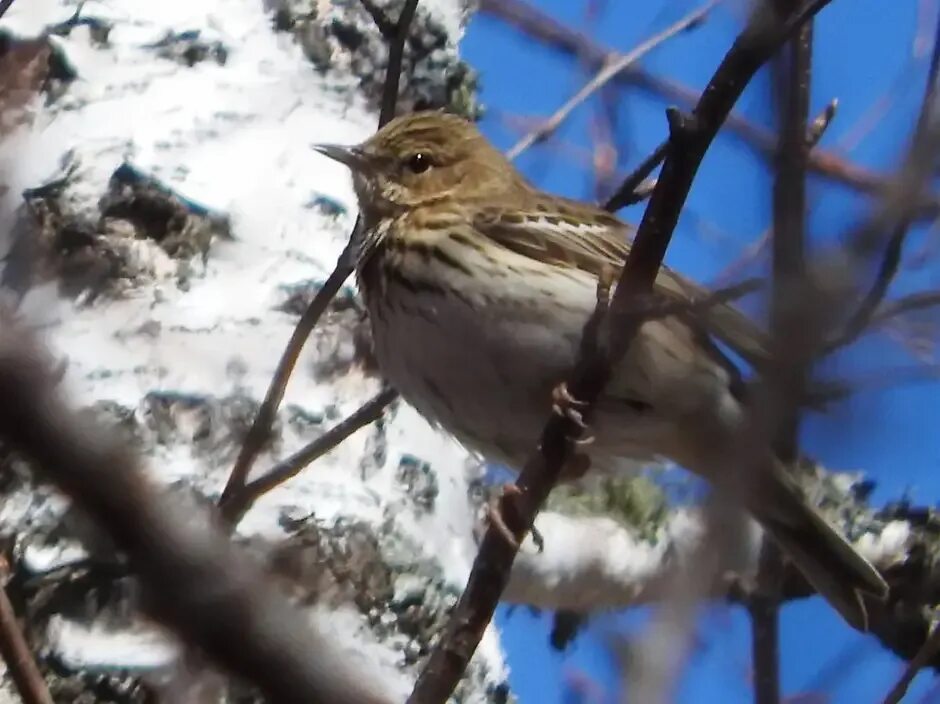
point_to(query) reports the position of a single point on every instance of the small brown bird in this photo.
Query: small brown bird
(478, 287)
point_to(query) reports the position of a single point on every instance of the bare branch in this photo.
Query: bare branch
(793, 347)
(690, 138)
(629, 191)
(891, 259)
(890, 262)
(539, 25)
(15, 650)
(260, 430)
(239, 503)
(396, 54)
(622, 564)
(923, 658)
(815, 132)
(196, 582)
(615, 65)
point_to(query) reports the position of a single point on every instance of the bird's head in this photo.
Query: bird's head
(423, 158)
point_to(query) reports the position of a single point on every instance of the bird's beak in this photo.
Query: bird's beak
(350, 156)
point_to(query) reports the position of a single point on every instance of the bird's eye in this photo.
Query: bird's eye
(418, 163)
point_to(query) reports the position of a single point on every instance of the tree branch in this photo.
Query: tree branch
(690, 137)
(20, 663)
(815, 132)
(793, 346)
(260, 431)
(622, 561)
(891, 259)
(628, 192)
(238, 504)
(605, 74)
(541, 26)
(196, 583)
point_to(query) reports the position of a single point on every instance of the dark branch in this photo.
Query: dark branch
(396, 54)
(690, 138)
(197, 584)
(891, 259)
(604, 76)
(793, 346)
(239, 504)
(925, 133)
(15, 650)
(260, 430)
(626, 194)
(539, 25)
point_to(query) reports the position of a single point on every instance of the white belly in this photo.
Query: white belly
(482, 363)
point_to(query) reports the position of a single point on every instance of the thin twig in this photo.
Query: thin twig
(387, 28)
(792, 346)
(695, 306)
(628, 192)
(236, 507)
(926, 653)
(539, 25)
(925, 134)
(615, 65)
(691, 137)
(196, 582)
(907, 304)
(396, 54)
(260, 430)
(891, 259)
(814, 133)
(21, 665)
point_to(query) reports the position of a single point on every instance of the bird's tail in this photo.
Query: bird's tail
(828, 561)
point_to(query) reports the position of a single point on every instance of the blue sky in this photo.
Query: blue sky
(865, 52)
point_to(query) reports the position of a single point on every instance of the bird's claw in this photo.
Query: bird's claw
(494, 516)
(566, 405)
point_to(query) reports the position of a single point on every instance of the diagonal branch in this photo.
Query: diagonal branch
(628, 192)
(814, 133)
(690, 137)
(604, 76)
(891, 259)
(539, 25)
(239, 504)
(19, 660)
(260, 430)
(196, 582)
(926, 123)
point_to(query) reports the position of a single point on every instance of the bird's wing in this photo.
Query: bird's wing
(570, 234)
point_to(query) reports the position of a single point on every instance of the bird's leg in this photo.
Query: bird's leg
(566, 405)
(563, 402)
(496, 507)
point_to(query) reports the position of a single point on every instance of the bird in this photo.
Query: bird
(478, 287)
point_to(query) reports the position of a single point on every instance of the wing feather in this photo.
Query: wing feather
(570, 234)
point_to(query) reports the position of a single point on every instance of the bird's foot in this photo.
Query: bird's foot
(497, 507)
(566, 405)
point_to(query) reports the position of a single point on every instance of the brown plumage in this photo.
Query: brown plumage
(478, 287)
